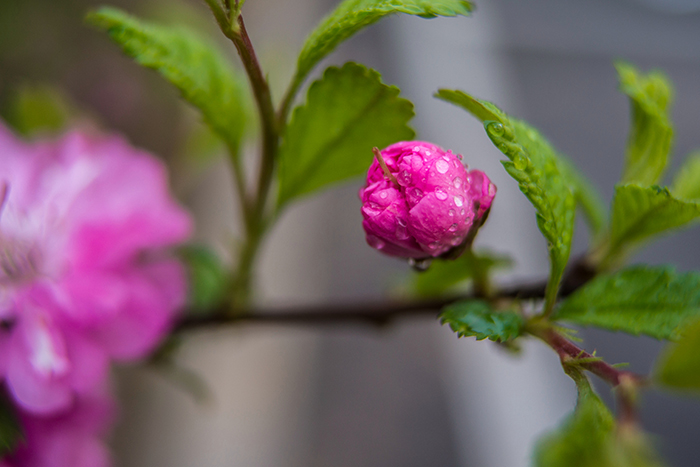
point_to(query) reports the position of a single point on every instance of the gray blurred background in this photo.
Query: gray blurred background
(411, 394)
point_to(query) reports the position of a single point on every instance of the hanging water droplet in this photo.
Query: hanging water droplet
(434, 245)
(459, 201)
(442, 166)
(420, 265)
(460, 157)
(375, 242)
(441, 195)
(457, 182)
(453, 227)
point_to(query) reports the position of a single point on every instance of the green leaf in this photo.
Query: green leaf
(651, 134)
(679, 364)
(330, 138)
(583, 439)
(10, 431)
(39, 109)
(445, 275)
(656, 301)
(686, 185)
(203, 76)
(641, 212)
(544, 177)
(590, 438)
(208, 279)
(353, 15)
(477, 318)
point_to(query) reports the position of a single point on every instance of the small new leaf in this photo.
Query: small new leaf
(686, 184)
(203, 76)
(477, 318)
(36, 110)
(656, 301)
(445, 275)
(208, 279)
(651, 132)
(330, 138)
(353, 15)
(545, 177)
(679, 364)
(642, 212)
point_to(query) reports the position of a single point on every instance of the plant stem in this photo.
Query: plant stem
(254, 211)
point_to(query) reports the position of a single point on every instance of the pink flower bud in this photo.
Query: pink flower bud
(423, 202)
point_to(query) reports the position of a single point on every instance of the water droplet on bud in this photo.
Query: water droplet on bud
(459, 201)
(441, 195)
(442, 166)
(457, 182)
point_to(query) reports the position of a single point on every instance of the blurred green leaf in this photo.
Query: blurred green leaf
(477, 318)
(642, 212)
(353, 15)
(651, 133)
(679, 364)
(330, 138)
(583, 439)
(444, 275)
(542, 174)
(39, 109)
(204, 77)
(686, 184)
(656, 301)
(208, 277)
(10, 431)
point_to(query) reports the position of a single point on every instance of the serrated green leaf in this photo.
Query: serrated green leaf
(583, 439)
(444, 275)
(545, 177)
(330, 138)
(203, 76)
(208, 279)
(477, 318)
(353, 15)
(10, 431)
(642, 212)
(656, 301)
(679, 364)
(651, 133)
(686, 184)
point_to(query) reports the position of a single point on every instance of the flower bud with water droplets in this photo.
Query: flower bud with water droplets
(420, 201)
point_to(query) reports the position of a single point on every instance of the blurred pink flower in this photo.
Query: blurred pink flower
(84, 275)
(424, 202)
(72, 438)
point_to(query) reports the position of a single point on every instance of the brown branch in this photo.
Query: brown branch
(377, 313)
